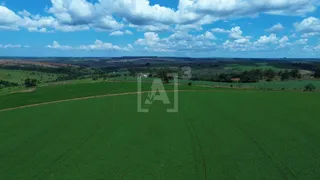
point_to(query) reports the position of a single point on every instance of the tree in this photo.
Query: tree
(270, 73)
(7, 84)
(317, 73)
(163, 75)
(309, 87)
(295, 73)
(285, 75)
(268, 79)
(30, 82)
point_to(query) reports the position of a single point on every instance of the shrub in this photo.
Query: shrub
(269, 80)
(30, 82)
(190, 84)
(309, 87)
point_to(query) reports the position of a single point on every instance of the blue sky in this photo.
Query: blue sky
(195, 28)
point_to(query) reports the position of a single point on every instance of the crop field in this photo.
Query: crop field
(219, 134)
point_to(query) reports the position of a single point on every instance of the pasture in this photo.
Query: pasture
(219, 134)
(18, 76)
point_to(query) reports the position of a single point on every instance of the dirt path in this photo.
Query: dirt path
(93, 97)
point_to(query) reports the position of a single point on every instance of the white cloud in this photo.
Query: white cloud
(56, 45)
(24, 13)
(219, 30)
(8, 19)
(271, 39)
(247, 7)
(310, 34)
(276, 28)
(235, 33)
(293, 35)
(127, 32)
(73, 12)
(308, 25)
(150, 39)
(154, 28)
(301, 41)
(140, 12)
(107, 23)
(235, 46)
(179, 41)
(116, 33)
(41, 30)
(311, 48)
(97, 45)
(284, 39)
(13, 46)
(120, 33)
(76, 15)
(284, 42)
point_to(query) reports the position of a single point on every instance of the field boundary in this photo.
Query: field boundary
(97, 96)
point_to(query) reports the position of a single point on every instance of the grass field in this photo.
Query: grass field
(224, 134)
(19, 76)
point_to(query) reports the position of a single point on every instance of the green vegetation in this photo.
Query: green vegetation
(230, 126)
(240, 67)
(309, 87)
(226, 134)
(30, 83)
(19, 76)
(4, 84)
(69, 91)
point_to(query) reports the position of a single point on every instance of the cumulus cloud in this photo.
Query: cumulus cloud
(237, 8)
(235, 33)
(179, 41)
(74, 15)
(56, 45)
(8, 18)
(284, 42)
(276, 28)
(271, 39)
(284, 39)
(308, 25)
(99, 45)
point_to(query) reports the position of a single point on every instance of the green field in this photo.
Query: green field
(18, 76)
(218, 134)
(274, 85)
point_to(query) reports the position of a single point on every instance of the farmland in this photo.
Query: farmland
(82, 122)
(218, 134)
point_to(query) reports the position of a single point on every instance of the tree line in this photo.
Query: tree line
(250, 76)
(4, 84)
